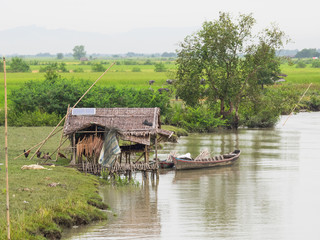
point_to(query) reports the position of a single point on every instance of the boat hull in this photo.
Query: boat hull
(165, 164)
(182, 164)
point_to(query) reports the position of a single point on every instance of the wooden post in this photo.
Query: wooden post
(62, 135)
(74, 149)
(156, 150)
(6, 145)
(146, 154)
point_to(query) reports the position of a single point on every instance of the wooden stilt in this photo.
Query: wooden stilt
(74, 150)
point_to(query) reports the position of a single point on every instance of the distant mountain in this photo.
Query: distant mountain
(32, 40)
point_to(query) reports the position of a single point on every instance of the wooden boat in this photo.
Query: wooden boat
(165, 164)
(168, 163)
(217, 161)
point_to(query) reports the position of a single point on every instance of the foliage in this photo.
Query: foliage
(78, 70)
(194, 119)
(223, 54)
(1, 66)
(79, 52)
(136, 69)
(262, 113)
(54, 94)
(30, 119)
(61, 67)
(18, 65)
(315, 64)
(307, 53)
(301, 64)
(159, 67)
(98, 67)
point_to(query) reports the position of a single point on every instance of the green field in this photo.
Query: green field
(121, 75)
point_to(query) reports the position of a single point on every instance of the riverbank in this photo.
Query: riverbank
(44, 202)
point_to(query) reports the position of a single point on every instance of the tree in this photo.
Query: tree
(231, 59)
(18, 65)
(59, 55)
(78, 52)
(307, 53)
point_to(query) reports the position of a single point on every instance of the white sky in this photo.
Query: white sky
(299, 19)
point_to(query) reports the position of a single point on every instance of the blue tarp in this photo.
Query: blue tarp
(110, 150)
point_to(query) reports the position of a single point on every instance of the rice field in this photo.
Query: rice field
(121, 75)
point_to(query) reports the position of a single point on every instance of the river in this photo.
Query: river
(273, 192)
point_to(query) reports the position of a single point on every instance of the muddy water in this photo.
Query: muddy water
(273, 192)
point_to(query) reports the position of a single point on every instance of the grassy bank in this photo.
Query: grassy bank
(43, 202)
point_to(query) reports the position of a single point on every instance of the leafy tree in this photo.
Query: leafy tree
(18, 65)
(231, 59)
(1, 66)
(79, 52)
(60, 56)
(160, 67)
(307, 53)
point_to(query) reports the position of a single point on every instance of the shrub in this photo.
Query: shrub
(79, 70)
(30, 119)
(160, 67)
(136, 69)
(98, 68)
(301, 64)
(18, 65)
(315, 64)
(195, 119)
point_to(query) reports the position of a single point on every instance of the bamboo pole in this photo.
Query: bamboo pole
(61, 143)
(62, 134)
(6, 145)
(36, 145)
(297, 104)
(72, 109)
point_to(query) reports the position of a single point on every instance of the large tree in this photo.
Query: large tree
(79, 52)
(230, 58)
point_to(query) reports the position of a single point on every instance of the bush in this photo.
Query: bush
(315, 64)
(18, 65)
(136, 69)
(160, 67)
(30, 119)
(53, 95)
(194, 119)
(301, 64)
(79, 70)
(98, 68)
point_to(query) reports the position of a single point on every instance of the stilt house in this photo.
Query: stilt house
(136, 129)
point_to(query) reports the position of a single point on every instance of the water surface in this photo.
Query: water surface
(273, 192)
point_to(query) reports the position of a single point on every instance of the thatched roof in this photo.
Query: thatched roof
(134, 124)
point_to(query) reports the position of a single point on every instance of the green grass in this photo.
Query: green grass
(36, 209)
(301, 75)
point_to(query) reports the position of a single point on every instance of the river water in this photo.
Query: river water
(273, 192)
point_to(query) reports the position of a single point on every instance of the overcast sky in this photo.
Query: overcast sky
(299, 19)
